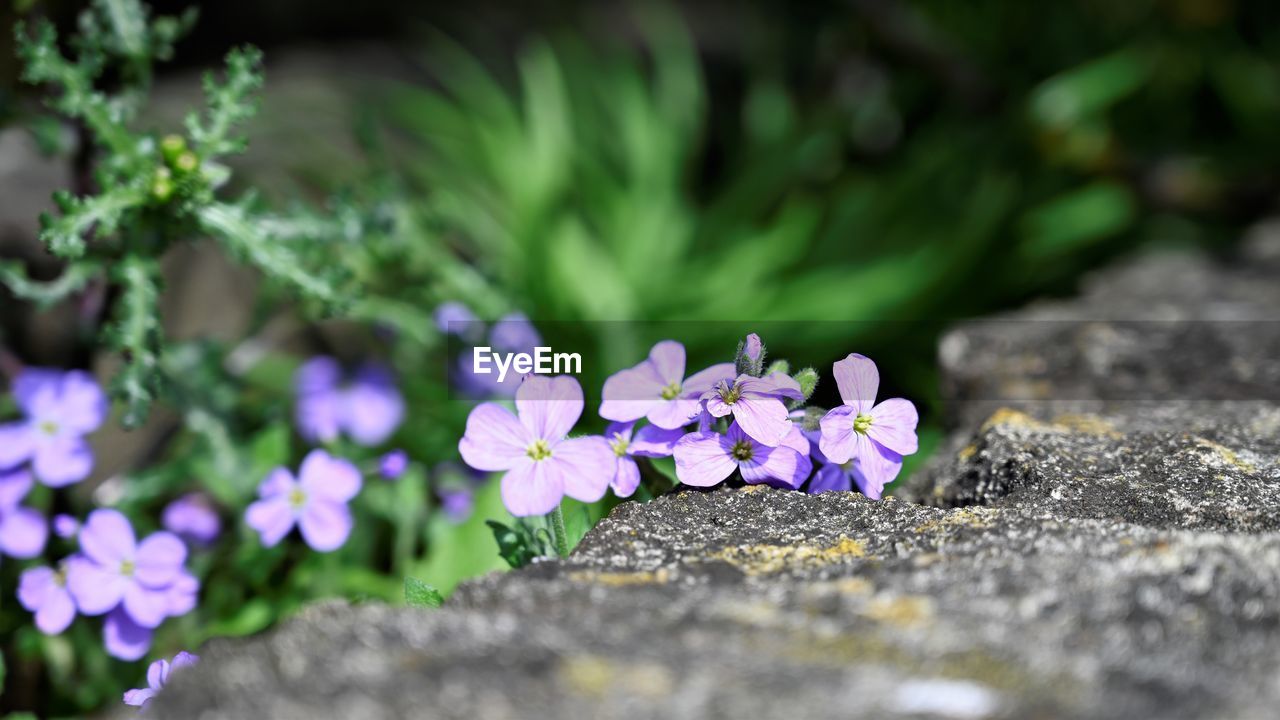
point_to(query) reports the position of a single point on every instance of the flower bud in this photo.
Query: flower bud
(172, 146)
(186, 162)
(808, 381)
(779, 366)
(750, 356)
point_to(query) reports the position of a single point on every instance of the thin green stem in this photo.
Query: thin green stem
(558, 534)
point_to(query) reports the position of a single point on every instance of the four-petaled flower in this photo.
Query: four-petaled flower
(658, 390)
(541, 465)
(874, 437)
(114, 569)
(704, 459)
(316, 502)
(59, 409)
(756, 405)
(366, 407)
(157, 675)
(43, 591)
(22, 530)
(193, 518)
(628, 443)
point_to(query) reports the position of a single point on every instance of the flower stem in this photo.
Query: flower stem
(558, 534)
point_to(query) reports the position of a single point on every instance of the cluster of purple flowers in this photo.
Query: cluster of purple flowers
(136, 585)
(733, 417)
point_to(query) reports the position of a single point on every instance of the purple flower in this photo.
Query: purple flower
(58, 409)
(157, 675)
(367, 407)
(192, 518)
(316, 502)
(756, 405)
(114, 571)
(753, 347)
(649, 441)
(392, 465)
(873, 437)
(124, 638)
(541, 466)
(43, 591)
(657, 389)
(705, 459)
(454, 318)
(513, 333)
(457, 503)
(23, 531)
(65, 526)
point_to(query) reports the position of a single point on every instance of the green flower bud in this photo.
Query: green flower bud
(779, 366)
(808, 381)
(172, 146)
(187, 162)
(162, 185)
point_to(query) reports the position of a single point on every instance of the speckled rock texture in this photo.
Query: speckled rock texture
(1091, 556)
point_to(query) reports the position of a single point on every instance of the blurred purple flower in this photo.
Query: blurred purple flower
(23, 531)
(753, 347)
(65, 526)
(457, 503)
(627, 444)
(43, 591)
(367, 406)
(454, 318)
(392, 465)
(59, 409)
(512, 333)
(873, 437)
(756, 405)
(115, 572)
(316, 502)
(157, 676)
(123, 638)
(705, 459)
(657, 389)
(192, 518)
(541, 465)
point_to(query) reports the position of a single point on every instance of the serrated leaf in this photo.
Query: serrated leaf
(421, 595)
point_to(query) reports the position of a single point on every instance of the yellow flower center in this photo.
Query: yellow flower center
(729, 394)
(297, 498)
(862, 423)
(127, 567)
(741, 451)
(538, 450)
(671, 391)
(48, 427)
(619, 444)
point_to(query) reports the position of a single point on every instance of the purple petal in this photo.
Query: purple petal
(831, 478)
(23, 532)
(494, 440)
(17, 443)
(619, 431)
(393, 464)
(776, 463)
(764, 419)
(796, 440)
(319, 415)
(35, 585)
(82, 406)
(138, 697)
(455, 318)
(630, 394)
(14, 486)
(158, 674)
(272, 517)
(62, 460)
(320, 374)
(56, 613)
(107, 538)
(180, 597)
(374, 407)
(893, 425)
(858, 381)
(277, 482)
(753, 346)
(549, 406)
(703, 380)
(146, 606)
(159, 560)
(65, 526)
(514, 333)
(674, 414)
(668, 361)
(123, 638)
(325, 525)
(529, 489)
(714, 405)
(31, 381)
(96, 589)
(183, 659)
(839, 440)
(325, 477)
(876, 468)
(653, 441)
(190, 516)
(703, 459)
(626, 479)
(586, 465)
(777, 384)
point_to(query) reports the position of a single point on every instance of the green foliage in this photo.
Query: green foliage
(421, 595)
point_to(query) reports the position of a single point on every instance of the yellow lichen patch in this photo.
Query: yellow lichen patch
(967, 452)
(598, 676)
(1009, 416)
(754, 488)
(1090, 424)
(1226, 454)
(621, 579)
(902, 611)
(770, 559)
(974, 517)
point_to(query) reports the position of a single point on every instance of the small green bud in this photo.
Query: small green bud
(808, 381)
(187, 162)
(779, 366)
(172, 146)
(162, 185)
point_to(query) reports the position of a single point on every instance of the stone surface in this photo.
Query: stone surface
(1097, 555)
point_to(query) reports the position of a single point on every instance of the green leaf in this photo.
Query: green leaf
(421, 595)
